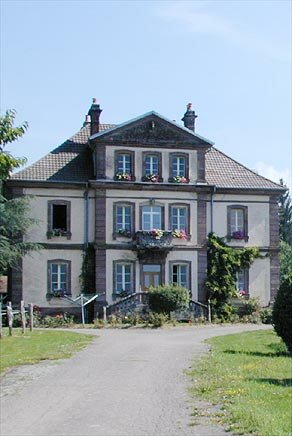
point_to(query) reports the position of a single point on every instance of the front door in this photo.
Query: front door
(151, 276)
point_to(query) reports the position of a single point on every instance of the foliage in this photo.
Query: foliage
(14, 222)
(60, 320)
(285, 259)
(167, 298)
(38, 345)
(285, 215)
(282, 311)
(250, 307)
(157, 319)
(223, 263)
(248, 375)
(266, 315)
(8, 134)
(14, 219)
(87, 276)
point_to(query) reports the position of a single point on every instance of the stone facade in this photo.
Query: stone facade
(117, 198)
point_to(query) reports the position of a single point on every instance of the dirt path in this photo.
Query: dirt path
(126, 383)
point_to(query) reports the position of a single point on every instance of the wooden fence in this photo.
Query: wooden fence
(10, 313)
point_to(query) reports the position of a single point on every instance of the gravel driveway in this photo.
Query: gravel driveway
(126, 383)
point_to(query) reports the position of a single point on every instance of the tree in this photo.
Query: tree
(282, 310)
(14, 213)
(285, 259)
(285, 214)
(8, 134)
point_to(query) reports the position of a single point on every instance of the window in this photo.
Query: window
(178, 165)
(237, 222)
(59, 277)
(59, 219)
(151, 217)
(180, 274)
(152, 166)
(124, 165)
(179, 218)
(242, 282)
(123, 277)
(124, 219)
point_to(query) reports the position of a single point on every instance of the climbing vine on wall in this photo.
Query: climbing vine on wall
(223, 264)
(87, 276)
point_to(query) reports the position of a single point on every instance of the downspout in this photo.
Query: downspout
(86, 217)
(212, 208)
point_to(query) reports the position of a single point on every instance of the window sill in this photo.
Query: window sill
(232, 238)
(147, 180)
(52, 235)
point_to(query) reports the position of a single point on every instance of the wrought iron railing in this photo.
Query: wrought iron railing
(128, 303)
(153, 239)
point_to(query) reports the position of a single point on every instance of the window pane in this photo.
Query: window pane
(151, 268)
(151, 165)
(180, 275)
(59, 217)
(123, 218)
(178, 166)
(237, 220)
(179, 220)
(123, 277)
(124, 163)
(151, 217)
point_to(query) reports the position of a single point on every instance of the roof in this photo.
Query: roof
(148, 114)
(225, 172)
(71, 162)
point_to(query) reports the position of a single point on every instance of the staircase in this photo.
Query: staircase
(139, 301)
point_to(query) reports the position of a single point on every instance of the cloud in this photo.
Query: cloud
(274, 174)
(194, 17)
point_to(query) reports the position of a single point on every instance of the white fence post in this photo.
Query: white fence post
(22, 314)
(9, 317)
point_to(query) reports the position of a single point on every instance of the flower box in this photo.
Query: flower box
(179, 179)
(123, 177)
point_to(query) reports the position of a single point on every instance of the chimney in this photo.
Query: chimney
(94, 113)
(189, 118)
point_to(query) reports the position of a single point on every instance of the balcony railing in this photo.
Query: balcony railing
(153, 239)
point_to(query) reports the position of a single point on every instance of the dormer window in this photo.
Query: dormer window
(124, 165)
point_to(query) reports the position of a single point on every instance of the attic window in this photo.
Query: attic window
(59, 220)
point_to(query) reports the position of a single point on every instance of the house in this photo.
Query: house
(143, 195)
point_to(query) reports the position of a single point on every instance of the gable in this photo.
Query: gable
(152, 129)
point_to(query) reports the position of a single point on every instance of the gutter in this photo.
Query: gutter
(86, 217)
(212, 207)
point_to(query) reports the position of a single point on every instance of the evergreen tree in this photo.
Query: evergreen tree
(285, 214)
(14, 213)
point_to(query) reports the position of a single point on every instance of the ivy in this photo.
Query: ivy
(87, 276)
(223, 264)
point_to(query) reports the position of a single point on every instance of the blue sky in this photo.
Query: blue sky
(231, 59)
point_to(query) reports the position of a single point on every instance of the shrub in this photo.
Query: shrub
(167, 298)
(266, 315)
(62, 320)
(250, 307)
(282, 310)
(157, 319)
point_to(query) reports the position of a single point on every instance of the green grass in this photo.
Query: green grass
(250, 375)
(39, 345)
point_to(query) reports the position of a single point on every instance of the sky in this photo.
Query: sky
(230, 59)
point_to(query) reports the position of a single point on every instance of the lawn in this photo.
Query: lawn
(250, 375)
(39, 345)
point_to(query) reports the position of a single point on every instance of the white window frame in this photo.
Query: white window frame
(151, 213)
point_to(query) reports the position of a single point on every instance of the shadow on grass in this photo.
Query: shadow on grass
(286, 382)
(277, 351)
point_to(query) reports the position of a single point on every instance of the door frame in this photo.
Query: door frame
(152, 262)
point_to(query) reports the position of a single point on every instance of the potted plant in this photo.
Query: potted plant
(179, 179)
(123, 176)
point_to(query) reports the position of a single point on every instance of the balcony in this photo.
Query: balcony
(152, 243)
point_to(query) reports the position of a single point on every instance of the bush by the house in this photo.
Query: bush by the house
(157, 319)
(282, 311)
(167, 298)
(266, 315)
